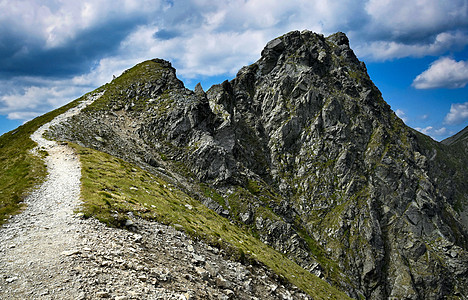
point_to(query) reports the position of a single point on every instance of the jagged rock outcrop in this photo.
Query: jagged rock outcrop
(301, 148)
(459, 138)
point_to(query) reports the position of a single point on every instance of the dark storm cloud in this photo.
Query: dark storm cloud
(20, 58)
(166, 34)
(397, 29)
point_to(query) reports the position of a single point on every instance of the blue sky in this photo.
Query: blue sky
(53, 51)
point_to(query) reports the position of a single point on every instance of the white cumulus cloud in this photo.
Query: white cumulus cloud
(458, 113)
(56, 22)
(435, 133)
(426, 130)
(443, 73)
(32, 101)
(385, 49)
(401, 114)
(402, 19)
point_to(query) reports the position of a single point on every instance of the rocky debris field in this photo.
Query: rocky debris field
(151, 261)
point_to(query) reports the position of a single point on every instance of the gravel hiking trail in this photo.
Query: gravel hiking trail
(34, 242)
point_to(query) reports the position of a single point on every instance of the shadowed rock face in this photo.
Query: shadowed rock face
(301, 148)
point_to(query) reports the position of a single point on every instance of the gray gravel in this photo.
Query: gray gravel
(32, 242)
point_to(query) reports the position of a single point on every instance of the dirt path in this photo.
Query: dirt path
(33, 243)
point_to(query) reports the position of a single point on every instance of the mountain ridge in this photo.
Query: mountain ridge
(459, 136)
(300, 149)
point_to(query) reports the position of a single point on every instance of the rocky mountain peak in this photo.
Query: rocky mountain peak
(301, 149)
(308, 49)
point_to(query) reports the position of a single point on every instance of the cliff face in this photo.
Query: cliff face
(301, 148)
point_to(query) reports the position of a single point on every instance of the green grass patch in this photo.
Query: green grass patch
(163, 156)
(121, 92)
(21, 170)
(111, 188)
(253, 187)
(213, 194)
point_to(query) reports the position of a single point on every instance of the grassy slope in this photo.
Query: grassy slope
(111, 188)
(115, 92)
(21, 170)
